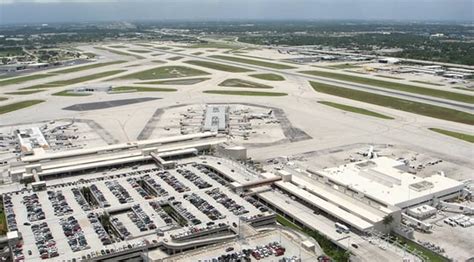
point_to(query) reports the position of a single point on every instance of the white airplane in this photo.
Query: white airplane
(370, 153)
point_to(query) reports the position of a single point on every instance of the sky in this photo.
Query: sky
(52, 11)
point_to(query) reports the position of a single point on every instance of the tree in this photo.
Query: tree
(387, 220)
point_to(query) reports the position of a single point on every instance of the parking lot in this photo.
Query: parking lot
(271, 246)
(455, 240)
(67, 220)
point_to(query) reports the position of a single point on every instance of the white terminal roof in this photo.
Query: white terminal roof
(384, 180)
(215, 118)
(41, 155)
(31, 138)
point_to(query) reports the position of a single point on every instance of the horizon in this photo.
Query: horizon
(60, 11)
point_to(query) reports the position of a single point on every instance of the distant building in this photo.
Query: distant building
(389, 60)
(12, 67)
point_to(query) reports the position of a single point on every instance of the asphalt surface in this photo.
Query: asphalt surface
(108, 104)
(393, 93)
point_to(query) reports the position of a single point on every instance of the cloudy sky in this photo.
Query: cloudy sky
(49, 11)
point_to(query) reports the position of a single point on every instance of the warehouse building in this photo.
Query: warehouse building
(385, 181)
(360, 195)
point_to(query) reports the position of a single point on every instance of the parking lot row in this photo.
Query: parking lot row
(204, 206)
(73, 231)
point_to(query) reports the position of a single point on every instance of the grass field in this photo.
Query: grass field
(396, 103)
(28, 92)
(139, 51)
(119, 52)
(269, 77)
(344, 66)
(356, 72)
(252, 62)
(356, 110)
(462, 136)
(18, 105)
(329, 248)
(239, 53)
(428, 254)
(22, 79)
(217, 66)
(118, 46)
(68, 93)
(144, 45)
(213, 45)
(390, 77)
(163, 48)
(197, 53)
(426, 83)
(464, 88)
(86, 78)
(86, 67)
(234, 82)
(11, 51)
(127, 89)
(42, 86)
(175, 58)
(165, 72)
(244, 93)
(3, 219)
(395, 86)
(3, 98)
(189, 81)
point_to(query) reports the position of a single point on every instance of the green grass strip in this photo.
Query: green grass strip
(243, 93)
(395, 86)
(3, 98)
(329, 248)
(119, 52)
(70, 93)
(175, 58)
(252, 62)
(390, 77)
(213, 45)
(18, 80)
(86, 67)
(188, 81)
(3, 219)
(269, 77)
(426, 83)
(140, 51)
(428, 254)
(165, 72)
(28, 92)
(344, 66)
(217, 66)
(464, 88)
(142, 89)
(39, 86)
(356, 110)
(86, 78)
(18, 105)
(462, 136)
(234, 82)
(396, 103)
